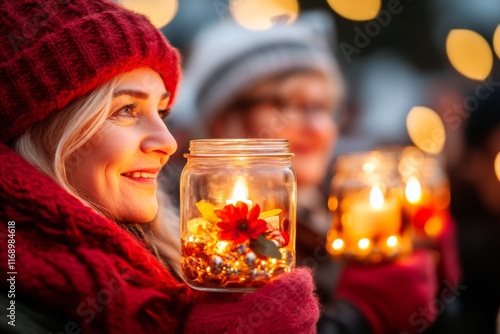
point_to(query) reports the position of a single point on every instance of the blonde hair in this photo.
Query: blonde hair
(69, 130)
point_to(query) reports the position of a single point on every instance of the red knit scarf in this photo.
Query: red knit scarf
(73, 261)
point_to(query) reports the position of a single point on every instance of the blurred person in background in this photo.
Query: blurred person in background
(475, 198)
(285, 83)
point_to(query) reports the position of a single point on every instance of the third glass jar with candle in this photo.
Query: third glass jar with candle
(427, 193)
(238, 206)
(367, 198)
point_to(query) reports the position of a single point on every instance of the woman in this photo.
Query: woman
(285, 83)
(84, 87)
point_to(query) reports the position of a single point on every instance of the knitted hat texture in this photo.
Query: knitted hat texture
(54, 51)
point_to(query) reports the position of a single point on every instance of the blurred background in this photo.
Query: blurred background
(418, 72)
(393, 54)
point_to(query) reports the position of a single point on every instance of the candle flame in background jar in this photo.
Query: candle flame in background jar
(376, 197)
(238, 207)
(427, 193)
(413, 190)
(367, 197)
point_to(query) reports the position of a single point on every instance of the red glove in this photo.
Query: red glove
(393, 297)
(286, 305)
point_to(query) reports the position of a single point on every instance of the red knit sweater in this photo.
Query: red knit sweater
(74, 261)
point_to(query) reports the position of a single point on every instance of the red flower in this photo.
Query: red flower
(238, 224)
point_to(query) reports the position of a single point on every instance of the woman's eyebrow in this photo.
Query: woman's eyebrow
(138, 94)
(134, 93)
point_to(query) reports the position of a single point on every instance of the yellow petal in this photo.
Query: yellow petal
(269, 213)
(207, 211)
(469, 53)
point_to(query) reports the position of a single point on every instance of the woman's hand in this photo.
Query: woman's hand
(394, 297)
(286, 305)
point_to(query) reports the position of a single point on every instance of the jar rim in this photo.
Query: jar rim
(249, 147)
(367, 161)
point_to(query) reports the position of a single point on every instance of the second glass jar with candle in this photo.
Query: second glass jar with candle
(238, 207)
(367, 197)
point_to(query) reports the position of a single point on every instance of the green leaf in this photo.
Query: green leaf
(265, 247)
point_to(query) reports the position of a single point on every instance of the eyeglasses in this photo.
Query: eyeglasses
(312, 111)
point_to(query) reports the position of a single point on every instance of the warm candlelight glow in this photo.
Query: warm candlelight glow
(333, 203)
(434, 226)
(364, 243)
(376, 197)
(240, 193)
(264, 14)
(496, 41)
(369, 167)
(159, 12)
(469, 53)
(392, 241)
(497, 166)
(426, 129)
(221, 246)
(360, 10)
(367, 224)
(413, 190)
(338, 244)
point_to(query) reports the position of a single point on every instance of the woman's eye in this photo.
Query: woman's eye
(126, 111)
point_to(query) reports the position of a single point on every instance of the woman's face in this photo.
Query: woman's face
(303, 115)
(128, 150)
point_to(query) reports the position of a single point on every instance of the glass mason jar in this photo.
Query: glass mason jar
(367, 196)
(238, 207)
(427, 193)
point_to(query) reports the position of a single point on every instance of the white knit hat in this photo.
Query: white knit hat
(226, 59)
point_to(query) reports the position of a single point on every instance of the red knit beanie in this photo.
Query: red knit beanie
(54, 51)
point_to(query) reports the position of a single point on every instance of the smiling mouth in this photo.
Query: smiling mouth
(141, 175)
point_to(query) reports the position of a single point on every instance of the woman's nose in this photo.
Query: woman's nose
(159, 139)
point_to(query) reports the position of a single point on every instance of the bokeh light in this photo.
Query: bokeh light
(264, 14)
(426, 129)
(496, 41)
(360, 10)
(497, 166)
(469, 53)
(434, 226)
(160, 12)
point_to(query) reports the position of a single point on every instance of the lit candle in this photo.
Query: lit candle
(413, 190)
(240, 193)
(378, 216)
(420, 206)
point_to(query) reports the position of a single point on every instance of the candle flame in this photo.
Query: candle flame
(364, 243)
(376, 197)
(240, 193)
(392, 241)
(338, 244)
(413, 190)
